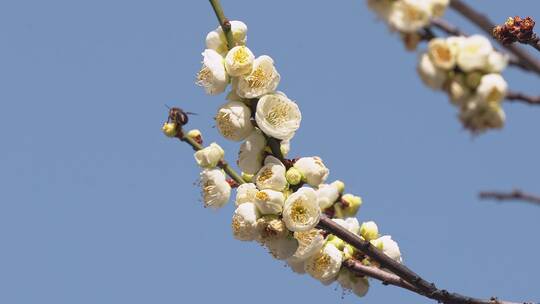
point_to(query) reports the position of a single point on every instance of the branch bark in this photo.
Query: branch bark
(512, 96)
(387, 278)
(487, 26)
(223, 22)
(516, 195)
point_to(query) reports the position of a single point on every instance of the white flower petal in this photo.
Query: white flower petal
(301, 211)
(216, 190)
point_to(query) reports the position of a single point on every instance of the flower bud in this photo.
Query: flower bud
(294, 177)
(369, 231)
(170, 129)
(196, 135)
(251, 155)
(473, 79)
(348, 207)
(337, 242)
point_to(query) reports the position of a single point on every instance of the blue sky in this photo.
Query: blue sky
(97, 206)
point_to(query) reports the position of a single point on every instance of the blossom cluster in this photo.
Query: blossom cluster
(408, 16)
(282, 200)
(468, 69)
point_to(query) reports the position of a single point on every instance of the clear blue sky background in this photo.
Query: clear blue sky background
(97, 206)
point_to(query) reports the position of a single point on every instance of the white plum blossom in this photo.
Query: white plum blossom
(262, 79)
(309, 243)
(349, 223)
(269, 201)
(492, 88)
(251, 153)
(245, 193)
(325, 264)
(431, 75)
(438, 7)
(409, 15)
(327, 195)
(212, 76)
(233, 120)
(282, 248)
(217, 41)
(473, 53)
(442, 54)
(389, 247)
(210, 156)
(313, 169)
(349, 281)
(497, 62)
(478, 115)
(301, 211)
(296, 266)
(278, 116)
(244, 222)
(360, 286)
(216, 191)
(239, 61)
(271, 175)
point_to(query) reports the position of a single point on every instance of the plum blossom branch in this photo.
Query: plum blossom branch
(223, 22)
(388, 278)
(483, 22)
(512, 96)
(515, 195)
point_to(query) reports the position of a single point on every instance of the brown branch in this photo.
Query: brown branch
(516, 195)
(512, 96)
(405, 274)
(387, 278)
(487, 26)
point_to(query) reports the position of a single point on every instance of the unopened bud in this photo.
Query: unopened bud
(247, 177)
(294, 176)
(170, 129)
(473, 79)
(369, 230)
(334, 240)
(196, 135)
(348, 207)
(339, 185)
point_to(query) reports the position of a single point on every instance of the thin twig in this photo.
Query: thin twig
(388, 278)
(487, 26)
(223, 22)
(523, 98)
(516, 195)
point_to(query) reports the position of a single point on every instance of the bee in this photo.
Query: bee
(178, 116)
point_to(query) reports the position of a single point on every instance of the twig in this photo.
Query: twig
(517, 29)
(520, 97)
(510, 196)
(388, 278)
(487, 26)
(223, 22)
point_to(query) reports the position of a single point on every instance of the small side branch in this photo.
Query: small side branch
(487, 26)
(223, 22)
(523, 98)
(516, 195)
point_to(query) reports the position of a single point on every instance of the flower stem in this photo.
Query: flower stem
(223, 22)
